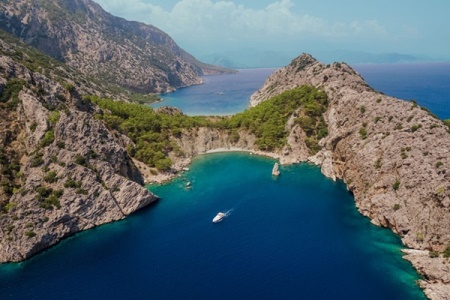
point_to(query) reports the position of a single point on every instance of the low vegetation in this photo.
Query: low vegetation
(152, 132)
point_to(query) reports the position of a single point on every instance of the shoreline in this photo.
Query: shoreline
(413, 255)
(179, 167)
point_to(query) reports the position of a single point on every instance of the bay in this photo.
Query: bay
(219, 95)
(297, 236)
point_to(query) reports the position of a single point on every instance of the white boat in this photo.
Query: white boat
(219, 217)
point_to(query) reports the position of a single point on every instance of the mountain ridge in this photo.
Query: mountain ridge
(81, 34)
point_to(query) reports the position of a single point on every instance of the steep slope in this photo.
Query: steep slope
(62, 171)
(81, 34)
(392, 154)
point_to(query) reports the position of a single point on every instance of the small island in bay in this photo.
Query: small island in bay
(76, 151)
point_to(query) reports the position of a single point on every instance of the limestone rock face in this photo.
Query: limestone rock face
(393, 154)
(68, 171)
(276, 170)
(81, 34)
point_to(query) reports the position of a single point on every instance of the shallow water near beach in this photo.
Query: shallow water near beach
(298, 236)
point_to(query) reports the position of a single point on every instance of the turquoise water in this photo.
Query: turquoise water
(298, 236)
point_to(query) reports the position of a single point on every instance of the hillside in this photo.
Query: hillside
(62, 171)
(81, 34)
(392, 154)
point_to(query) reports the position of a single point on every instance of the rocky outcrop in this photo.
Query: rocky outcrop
(276, 170)
(392, 154)
(64, 170)
(81, 34)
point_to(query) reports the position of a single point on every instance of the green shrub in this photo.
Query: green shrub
(10, 205)
(36, 160)
(48, 139)
(50, 177)
(362, 109)
(447, 252)
(163, 164)
(419, 236)
(447, 123)
(414, 128)
(80, 160)
(69, 87)
(396, 185)
(70, 183)
(11, 92)
(378, 164)
(377, 119)
(54, 117)
(33, 126)
(396, 207)
(30, 233)
(434, 254)
(439, 164)
(60, 144)
(81, 191)
(48, 198)
(363, 133)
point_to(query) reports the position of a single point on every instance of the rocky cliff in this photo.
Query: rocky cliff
(393, 155)
(81, 34)
(62, 171)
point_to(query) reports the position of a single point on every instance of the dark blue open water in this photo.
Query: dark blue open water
(296, 237)
(428, 84)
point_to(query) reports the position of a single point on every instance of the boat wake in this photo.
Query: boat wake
(228, 212)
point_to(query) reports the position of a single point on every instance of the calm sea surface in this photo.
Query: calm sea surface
(428, 84)
(219, 95)
(295, 237)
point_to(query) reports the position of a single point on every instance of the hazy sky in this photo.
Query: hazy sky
(203, 27)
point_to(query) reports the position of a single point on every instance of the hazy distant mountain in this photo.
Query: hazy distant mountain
(248, 58)
(357, 57)
(81, 34)
(255, 58)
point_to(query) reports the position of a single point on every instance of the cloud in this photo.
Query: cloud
(207, 18)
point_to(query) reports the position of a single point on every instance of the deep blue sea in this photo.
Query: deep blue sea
(298, 236)
(427, 83)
